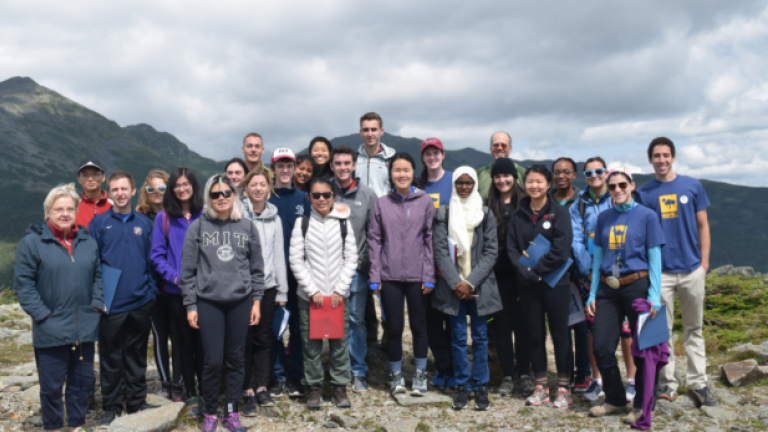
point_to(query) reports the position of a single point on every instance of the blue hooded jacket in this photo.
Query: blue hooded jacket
(583, 226)
(291, 204)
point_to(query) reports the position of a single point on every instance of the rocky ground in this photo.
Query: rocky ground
(742, 408)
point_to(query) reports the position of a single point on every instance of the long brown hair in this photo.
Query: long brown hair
(496, 205)
(144, 206)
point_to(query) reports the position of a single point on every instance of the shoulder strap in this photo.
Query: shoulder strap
(166, 225)
(582, 209)
(343, 228)
(304, 226)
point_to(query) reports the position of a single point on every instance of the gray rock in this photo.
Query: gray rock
(668, 409)
(272, 412)
(31, 396)
(725, 397)
(685, 401)
(330, 425)
(405, 425)
(345, 421)
(725, 270)
(154, 399)
(743, 271)
(24, 382)
(720, 414)
(430, 398)
(5, 334)
(759, 352)
(24, 338)
(742, 373)
(161, 419)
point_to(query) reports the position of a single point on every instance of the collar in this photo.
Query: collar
(58, 233)
(120, 216)
(402, 198)
(84, 198)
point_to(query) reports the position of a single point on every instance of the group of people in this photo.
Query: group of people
(210, 267)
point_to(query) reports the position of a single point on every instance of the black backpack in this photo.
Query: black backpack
(342, 227)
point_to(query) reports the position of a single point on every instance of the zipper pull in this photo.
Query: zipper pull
(72, 257)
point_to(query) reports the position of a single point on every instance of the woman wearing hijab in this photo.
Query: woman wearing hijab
(466, 285)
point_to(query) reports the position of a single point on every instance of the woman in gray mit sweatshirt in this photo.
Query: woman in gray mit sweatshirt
(222, 282)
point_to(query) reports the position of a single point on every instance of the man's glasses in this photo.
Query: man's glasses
(216, 195)
(159, 189)
(324, 195)
(468, 184)
(598, 172)
(622, 186)
(94, 175)
(565, 173)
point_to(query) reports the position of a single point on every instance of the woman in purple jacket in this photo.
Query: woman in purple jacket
(182, 204)
(403, 267)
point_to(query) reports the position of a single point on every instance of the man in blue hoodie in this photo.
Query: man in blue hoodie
(291, 204)
(124, 238)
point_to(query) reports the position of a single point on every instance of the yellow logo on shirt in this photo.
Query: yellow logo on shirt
(617, 236)
(435, 199)
(668, 205)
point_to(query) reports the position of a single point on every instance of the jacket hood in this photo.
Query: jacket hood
(385, 153)
(414, 194)
(270, 210)
(339, 211)
(44, 232)
(584, 195)
(337, 189)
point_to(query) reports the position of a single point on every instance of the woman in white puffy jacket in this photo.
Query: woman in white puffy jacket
(323, 257)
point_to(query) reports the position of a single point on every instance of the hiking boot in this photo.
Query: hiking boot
(631, 392)
(177, 393)
(360, 385)
(340, 397)
(396, 383)
(605, 409)
(210, 424)
(263, 399)
(192, 407)
(633, 416)
(481, 398)
(527, 385)
(539, 397)
(703, 397)
(143, 407)
(563, 400)
(295, 389)
(232, 422)
(277, 390)
(668, 393)
(249, 405)
(461, 400)
(507, 386)
(582, 383)
(594, 392)
(315, 398)
(108, 418)
(165, 390)
(439, 380)
(419, 383)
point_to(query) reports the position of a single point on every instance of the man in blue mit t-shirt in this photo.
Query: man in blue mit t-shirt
(681, 204)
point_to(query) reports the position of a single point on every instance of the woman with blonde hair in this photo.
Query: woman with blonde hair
(151, 193)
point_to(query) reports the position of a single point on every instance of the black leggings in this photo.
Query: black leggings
(508, 319)
(439, 335)
(160, 334)
(189, 346)
(540, 299)
(258, 344)
(393, 296)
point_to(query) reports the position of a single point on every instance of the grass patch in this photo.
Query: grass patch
(13, 355)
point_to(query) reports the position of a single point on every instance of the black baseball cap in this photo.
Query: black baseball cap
(85, 163)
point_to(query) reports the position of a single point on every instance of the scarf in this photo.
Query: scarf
(464, 214)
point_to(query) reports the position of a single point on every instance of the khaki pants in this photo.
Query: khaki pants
(690, 288)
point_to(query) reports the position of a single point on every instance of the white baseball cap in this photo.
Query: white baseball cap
(283, 153)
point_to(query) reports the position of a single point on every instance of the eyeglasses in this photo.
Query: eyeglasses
(324, 195)
(69, 210)
(182, 186)
(468, 184)
(500, 145)
(622, 186)
(94, 175)
(159, 189)
(598, 172)
(216, 195)
(565, 173)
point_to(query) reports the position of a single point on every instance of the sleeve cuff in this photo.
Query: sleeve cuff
(44, 313)
(374, 286)
(470, 285)
(429, 284)
(192, 308)
(280, 297)
(98, 305)
(258, 297)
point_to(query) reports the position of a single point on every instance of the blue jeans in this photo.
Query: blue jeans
(277, 354)
(358, 348)
(55, 365)
(479, 325)
(580, 335)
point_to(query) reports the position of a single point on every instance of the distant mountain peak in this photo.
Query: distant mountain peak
(17, 85)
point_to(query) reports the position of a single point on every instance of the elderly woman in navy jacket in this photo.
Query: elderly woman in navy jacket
(466, 284)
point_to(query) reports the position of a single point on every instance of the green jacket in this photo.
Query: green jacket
(484, 180)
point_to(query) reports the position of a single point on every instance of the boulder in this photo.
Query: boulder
(161, 419)
(31, 396)
(24, 382)
(760, 352)
(743, 271)
(345, 421)
(430, 398)
(405, 425)
(725, 270)
(720, 414)
(743, 373)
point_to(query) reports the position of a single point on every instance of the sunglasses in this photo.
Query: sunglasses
(598, 172)
(323, 195)
(216, 195)
(622, 186)
(160, 189)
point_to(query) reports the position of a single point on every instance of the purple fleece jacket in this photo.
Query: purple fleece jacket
(166, 256)
(400, 238)
(654, 359)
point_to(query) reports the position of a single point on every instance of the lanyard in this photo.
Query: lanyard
(622, 244)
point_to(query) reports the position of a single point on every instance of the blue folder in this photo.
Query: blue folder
(110, 277)
(538, 249)
(654, 331)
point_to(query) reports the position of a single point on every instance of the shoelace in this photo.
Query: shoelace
(234, 419)
(209, 422)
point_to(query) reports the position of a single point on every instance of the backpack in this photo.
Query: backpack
(165, 226)
(342, 227)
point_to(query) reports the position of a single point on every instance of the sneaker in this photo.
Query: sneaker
(295, 389)
(539, 397)
(277, 390)
(582, 383)
(633, 416)
(396, 383)
(527, 385)
(249, 405)
(461, 400)
(108, 418)
(439, 380)
(703, 397)
(481, 398)
(605, 409)
(419, 383)
(563, 400)
(668, 393)
(177, 393)
(192, 408)
(630, 389)
(507, 386)
(315, 398)
(263, 399)
(210, 424)
(232, 423)
(340, 397)
(165, 390)
(594, 392)
(360, 385)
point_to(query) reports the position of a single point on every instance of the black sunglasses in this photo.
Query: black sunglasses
(160, 189)
(318, 195)
(215, 195)
(622, 185)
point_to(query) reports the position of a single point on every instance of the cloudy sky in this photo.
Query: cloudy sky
(564, 78)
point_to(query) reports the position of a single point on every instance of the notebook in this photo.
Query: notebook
(326, 322)
(110, 277)
(652, 332)
(538, 248)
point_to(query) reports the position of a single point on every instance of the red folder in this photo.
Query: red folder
(326, 322)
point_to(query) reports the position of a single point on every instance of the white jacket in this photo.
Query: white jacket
(316, 261)
(271, 237)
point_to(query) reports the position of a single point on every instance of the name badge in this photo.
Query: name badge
(591, 241)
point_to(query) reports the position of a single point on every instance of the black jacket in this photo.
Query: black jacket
(554, 224)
